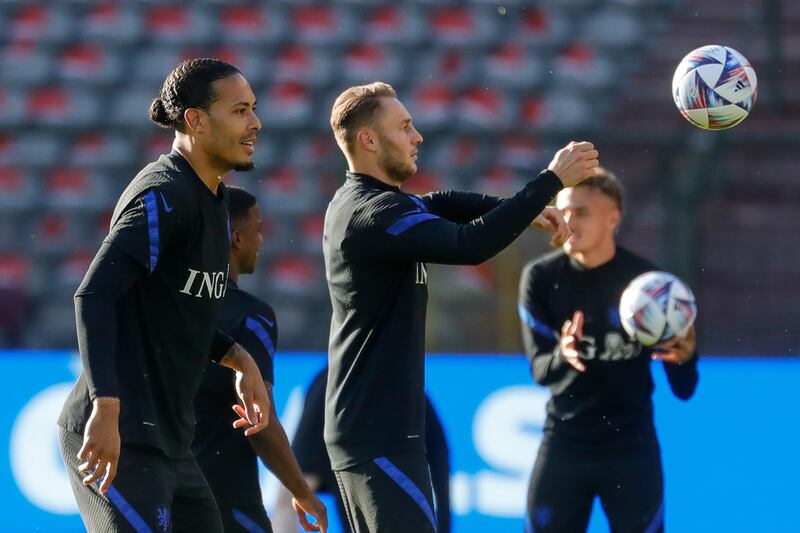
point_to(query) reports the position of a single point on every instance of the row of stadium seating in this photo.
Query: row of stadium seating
(611, 23)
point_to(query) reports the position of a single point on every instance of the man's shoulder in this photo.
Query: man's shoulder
(244, 304)
(634, 261)
(549, 261)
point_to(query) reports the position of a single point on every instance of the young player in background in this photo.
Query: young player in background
(228, 458)
(376, 243)
(599, 438)
(308, 445)
(145, 315)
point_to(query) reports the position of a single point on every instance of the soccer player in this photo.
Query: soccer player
(599, 438)
(145, 315)
(376, 242)
(229, 459)
(308, 445)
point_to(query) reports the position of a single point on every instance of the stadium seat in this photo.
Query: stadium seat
(156, 144)
(285, 189)
(432, 106)
(304, 64)
(74, 188)
(18, 190)
(293, 273)
(24, 63)
(463, 155)
(452, 66)
(513, 66)
(178, 24)
(287, 104)
(40, 23)
(365, 63)
(323, 25)
(31, 150)
(540, 26)
(248, 24)
(113, 22)
(89, 63)
(463, 26)
(311, 228)
(131, 106)
(151, 64)
(395, 24)
(312, 152)
(612, 27)
(579, 66)
(57, 232)
(521, 152)
(98, 149)
(56, 106)
(12, 107)
(486, 108)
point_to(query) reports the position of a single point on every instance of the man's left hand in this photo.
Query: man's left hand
(676, 350)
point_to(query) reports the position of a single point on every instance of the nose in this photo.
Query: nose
(417, 137)
(256, 123)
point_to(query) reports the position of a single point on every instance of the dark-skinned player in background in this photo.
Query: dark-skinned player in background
(145, 315)
(376, 242)
(599, 437)
(228, 458)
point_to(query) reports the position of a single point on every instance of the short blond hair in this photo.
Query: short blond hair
(606, 183)
(356, 107)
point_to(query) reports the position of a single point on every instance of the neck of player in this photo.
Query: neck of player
(208, 172)
(597, 255)
(233, 268)
(372, 168)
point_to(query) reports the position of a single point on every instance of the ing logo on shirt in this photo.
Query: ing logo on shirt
(422, 274)
(206, 284)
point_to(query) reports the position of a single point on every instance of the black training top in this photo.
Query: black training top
(224, 454)
(376, 242)
(146, 309)
(608, 406)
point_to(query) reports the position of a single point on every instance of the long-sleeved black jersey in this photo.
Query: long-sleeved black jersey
(608, 406)
(376, 242)
(146, 308)
(223, 452)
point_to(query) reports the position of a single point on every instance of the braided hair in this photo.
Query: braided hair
(188, 85)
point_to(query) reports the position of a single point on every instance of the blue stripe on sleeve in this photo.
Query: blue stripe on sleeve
(536, 325)
(259, 331)
(408, 486)
(417, 200)
(151, 208)
(408, 222)
(127, 511)
(246, 522)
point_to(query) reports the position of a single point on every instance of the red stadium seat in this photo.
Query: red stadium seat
(24, 62)
(304, 64)
(91, 63)
(56, 105)
(364, 63)
(112, 21)
(17, 190)
(293, 273)
(47, 23)
(432, 105)
(521, 152)
(99, 149)
(178, 23)
(457, 25)
(248, 24)
(513, 65)
(532, 113)
(395, 24)
(486, 108)
(288, 104)
(322, 25)
(74, 188)
(14, 270)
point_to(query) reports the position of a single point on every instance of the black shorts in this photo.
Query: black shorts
(389, 495)
(245, 519)
(308, 445)
(564, 484)
(151, 492)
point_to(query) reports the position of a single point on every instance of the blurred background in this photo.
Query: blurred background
(494, 86)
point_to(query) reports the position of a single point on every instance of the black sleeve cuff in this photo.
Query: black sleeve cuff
(220, 345)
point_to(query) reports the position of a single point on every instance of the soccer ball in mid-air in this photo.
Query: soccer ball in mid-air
(714, 87)
(655, 307)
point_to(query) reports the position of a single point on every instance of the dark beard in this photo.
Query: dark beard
(395, 170)
(244, 167)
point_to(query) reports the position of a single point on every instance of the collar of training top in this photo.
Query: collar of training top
(369, 180)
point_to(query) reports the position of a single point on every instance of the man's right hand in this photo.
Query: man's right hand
(571, 335)
(574, 163)
(101, 443)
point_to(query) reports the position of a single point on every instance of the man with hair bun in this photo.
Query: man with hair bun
(145, 316)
